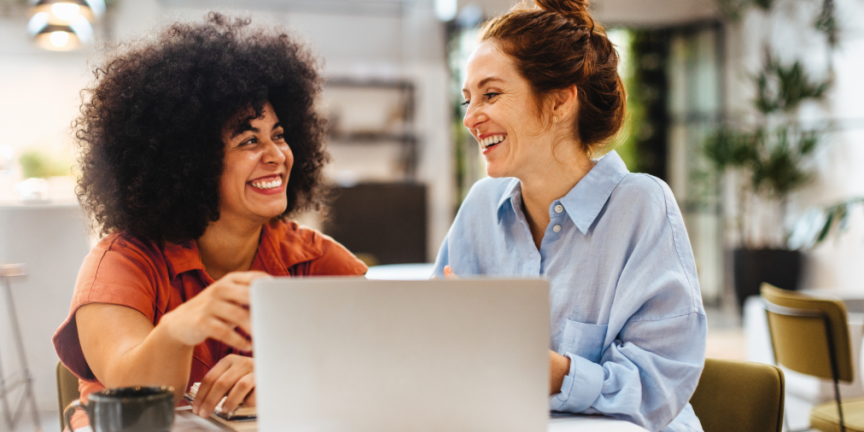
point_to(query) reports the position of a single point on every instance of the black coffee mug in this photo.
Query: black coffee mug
(128, 409)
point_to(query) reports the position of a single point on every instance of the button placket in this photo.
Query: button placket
(559, 209)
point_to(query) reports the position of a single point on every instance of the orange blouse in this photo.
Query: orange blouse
(127, 271)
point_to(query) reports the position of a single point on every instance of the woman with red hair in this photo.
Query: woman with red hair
(543, 99)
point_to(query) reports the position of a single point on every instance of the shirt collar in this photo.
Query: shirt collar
(182, 257)
(585, 201)
(284, 245)
(280, 248)
(512, 195)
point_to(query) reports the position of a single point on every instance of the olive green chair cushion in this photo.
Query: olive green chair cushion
(739, 396)
(824, 416)
(67, 390)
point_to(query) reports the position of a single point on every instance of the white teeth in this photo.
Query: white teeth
(495, 139)
(267, 184)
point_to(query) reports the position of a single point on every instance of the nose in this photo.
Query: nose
(473, 117)
(273, 153)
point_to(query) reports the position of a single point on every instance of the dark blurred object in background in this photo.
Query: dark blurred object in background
(650, 52)
(381, 223)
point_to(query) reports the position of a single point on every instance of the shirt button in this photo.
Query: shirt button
(556, 228)
(559, 208)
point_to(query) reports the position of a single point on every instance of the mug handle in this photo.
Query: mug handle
(70, 411)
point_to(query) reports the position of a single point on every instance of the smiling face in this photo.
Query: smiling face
(503, 115)
(256, 168)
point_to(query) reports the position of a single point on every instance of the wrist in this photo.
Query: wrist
(560, 369)
(165, 336)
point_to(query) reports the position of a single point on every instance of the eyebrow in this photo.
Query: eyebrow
(245, 126)
(485, 81)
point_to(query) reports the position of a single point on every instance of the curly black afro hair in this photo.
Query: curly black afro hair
(150, 129)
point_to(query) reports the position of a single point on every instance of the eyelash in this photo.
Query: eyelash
(488, 95)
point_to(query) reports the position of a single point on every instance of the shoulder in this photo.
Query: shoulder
(121, 251)
(131, 245)
(644, 195)
(642, 188)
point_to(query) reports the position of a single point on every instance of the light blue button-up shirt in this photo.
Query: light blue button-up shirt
(626, 307)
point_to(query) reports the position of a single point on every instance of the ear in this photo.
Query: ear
(565, 101)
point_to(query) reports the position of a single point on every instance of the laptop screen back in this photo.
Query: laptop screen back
(340, 354)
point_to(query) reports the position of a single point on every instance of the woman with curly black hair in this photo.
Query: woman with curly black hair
(195, 147)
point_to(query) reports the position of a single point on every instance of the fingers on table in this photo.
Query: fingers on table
(243, 387)
(225, 375)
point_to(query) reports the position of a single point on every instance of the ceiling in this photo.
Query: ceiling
(627, 12)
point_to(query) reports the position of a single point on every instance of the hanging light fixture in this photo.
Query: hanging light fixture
(64, 11)
(64, 25)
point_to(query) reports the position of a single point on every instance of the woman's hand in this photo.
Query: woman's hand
(215, 313)
(559, 367)
(448, 274)
(233, 376)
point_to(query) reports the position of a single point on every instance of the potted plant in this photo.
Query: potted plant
(767, 158)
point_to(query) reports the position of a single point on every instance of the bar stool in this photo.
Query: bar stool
(13, 411)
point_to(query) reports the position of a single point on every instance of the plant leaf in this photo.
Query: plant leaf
(825, 228)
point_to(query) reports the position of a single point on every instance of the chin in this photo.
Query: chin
(271, 213)
(496, 172)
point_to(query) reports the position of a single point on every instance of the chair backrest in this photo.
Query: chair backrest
(739, 396)
(67, 390)
(808, 332)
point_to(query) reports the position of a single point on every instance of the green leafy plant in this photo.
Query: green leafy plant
(772, 163)
(783, 87)
(770, 153)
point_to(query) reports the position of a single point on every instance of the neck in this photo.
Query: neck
(228, 246)
(541, 187)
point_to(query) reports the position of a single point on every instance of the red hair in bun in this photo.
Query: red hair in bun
(557, 44)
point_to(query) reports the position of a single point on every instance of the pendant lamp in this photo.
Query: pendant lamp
(64, 25)
(64, 11)
(60, 37)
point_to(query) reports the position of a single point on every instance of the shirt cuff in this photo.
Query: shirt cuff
(581, 387)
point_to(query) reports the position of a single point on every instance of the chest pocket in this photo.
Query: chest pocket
(584, 340)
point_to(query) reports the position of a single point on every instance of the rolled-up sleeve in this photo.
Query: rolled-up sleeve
(645, 376)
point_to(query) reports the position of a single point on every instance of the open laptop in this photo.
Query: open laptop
(347, 354)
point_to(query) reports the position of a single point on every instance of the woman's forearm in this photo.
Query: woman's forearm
(157, 361)
(123, 348)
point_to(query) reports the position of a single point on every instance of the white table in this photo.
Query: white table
(188, 422)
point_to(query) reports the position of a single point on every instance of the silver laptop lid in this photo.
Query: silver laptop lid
(339, 354)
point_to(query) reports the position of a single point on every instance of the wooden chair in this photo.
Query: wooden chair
(810, 335)
(67, 391)
(739, 396)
